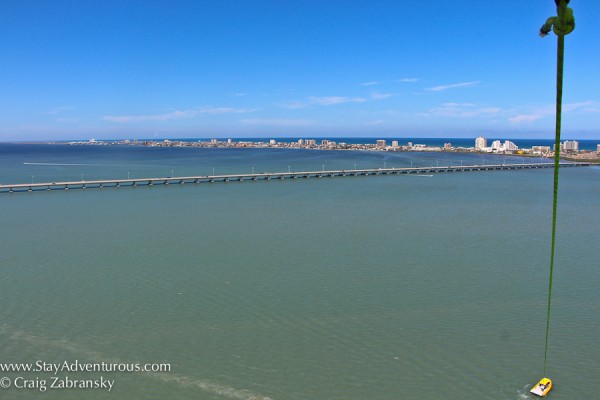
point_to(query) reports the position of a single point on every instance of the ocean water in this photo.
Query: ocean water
(380, 287)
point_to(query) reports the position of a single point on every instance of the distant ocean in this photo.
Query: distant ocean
(380, 287)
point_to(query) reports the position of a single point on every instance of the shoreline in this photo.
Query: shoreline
(329, 145)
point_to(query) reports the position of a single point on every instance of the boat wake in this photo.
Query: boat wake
(523, 394)
(81, 164)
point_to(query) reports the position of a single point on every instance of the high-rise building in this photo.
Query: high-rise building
(497, 145)
(395, 143)
(381, 143)
(480, 142)
(570, 145)
(510, 146)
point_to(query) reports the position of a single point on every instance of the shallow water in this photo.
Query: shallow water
(360, 287)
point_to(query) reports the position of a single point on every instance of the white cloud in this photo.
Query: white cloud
(376, 122)
(224, 110)
(537, 113)
(332, 100)
(462, 110)
(372, 83)
(380, 96)
(519, 119)
(294, 104)
(58, 110)
(67, 120)
(584, 107)
(177, 114)
(452, 86)
(408, 80)
(277, 122)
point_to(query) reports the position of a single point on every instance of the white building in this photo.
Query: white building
(510, 146)
(381, 143)
(570, 145)
(480, 143)
(540, 149)
(507, 146)
(395, 143)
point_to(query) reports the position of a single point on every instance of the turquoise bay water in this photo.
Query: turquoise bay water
(409, 287)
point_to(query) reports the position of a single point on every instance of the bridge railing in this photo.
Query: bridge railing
(102, 183)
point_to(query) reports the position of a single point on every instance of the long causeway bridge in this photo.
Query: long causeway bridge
(265, 176)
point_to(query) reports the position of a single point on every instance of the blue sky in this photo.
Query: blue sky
(224, 68)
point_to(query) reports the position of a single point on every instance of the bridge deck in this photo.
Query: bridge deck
(29, 187)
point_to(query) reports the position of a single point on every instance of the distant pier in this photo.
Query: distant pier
(112, 183)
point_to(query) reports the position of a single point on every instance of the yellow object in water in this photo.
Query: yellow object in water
(542, 387)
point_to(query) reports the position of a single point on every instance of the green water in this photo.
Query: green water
(389, 287)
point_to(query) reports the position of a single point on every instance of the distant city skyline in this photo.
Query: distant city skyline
(383, 69)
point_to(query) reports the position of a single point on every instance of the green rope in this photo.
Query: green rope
(562, 25)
